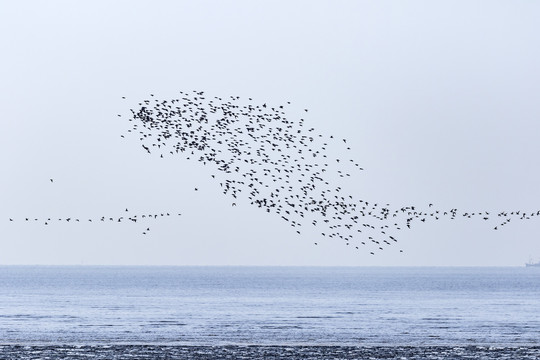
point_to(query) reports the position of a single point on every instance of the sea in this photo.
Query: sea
(161, 312)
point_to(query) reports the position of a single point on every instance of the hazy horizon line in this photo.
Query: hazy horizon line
(268, 266)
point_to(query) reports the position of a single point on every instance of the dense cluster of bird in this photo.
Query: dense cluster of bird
(262, 157)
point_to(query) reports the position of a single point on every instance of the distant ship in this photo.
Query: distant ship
(530, 263)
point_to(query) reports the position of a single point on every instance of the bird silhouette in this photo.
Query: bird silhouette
(261, 156)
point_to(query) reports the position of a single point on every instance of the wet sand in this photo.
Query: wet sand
(109, 352)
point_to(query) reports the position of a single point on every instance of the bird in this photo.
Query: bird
(263, 156)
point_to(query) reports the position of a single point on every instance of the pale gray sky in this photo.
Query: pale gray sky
(438, 100)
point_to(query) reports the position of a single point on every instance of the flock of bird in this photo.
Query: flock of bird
(260, 156)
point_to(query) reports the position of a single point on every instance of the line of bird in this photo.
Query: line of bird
(264, 158)
(127, 218)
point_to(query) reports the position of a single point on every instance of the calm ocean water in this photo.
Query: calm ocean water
(286, 306)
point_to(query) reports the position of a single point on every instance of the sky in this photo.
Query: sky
(438, 101)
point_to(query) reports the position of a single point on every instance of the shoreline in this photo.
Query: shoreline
(112, 351)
